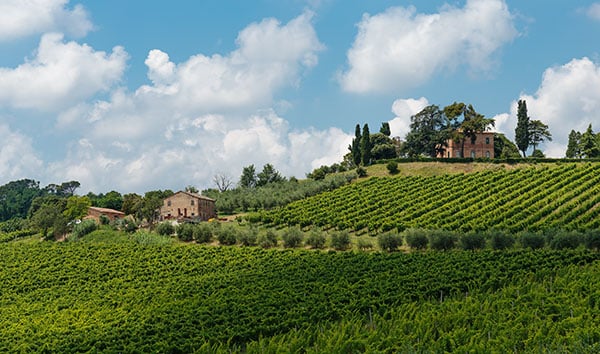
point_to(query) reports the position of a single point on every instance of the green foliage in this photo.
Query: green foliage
(128, 225)
(361, 172)
(365, 146)
(316, 239)
(392, 167)
(442, 240)
(268, 175)
(292, 237)
(203, 233)
(416, 239)
(363, 244)
(547, 196)
(185, 232)
(385, 129)
(472, 241)
(589, 144)
(268, 239)
(104, 220)
(538, 154)
(16, 197)
(532, 240)
(355, 147)
(137, 297)
(227, 235)
(83, 228)
(566, 240)
(592, 239)
(166, 228)
(504, 148)
(340, 240)
(248, 237)
(522, 129)
(500, 240)
(12, 225)
(248, 177)
(389, 242)
(574, 145)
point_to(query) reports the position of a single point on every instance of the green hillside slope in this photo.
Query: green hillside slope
(565, 196)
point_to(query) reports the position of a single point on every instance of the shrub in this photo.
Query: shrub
(592, 239)
(147, 238)
(316, 239)
(292, 237)
(417, 239)
(500, 240)
(340, 240)
(565, 240)
(364, 244)
(392, 167)
(361, 172)
(202, 233)
(248, 237)
(165, 229)
(127, 224)
(532, 240)
(472, 241)
(226, 236)
(185, 232)
(389, 242)
(442, 240)
(84, 228)
(268, 240)
(104, 220)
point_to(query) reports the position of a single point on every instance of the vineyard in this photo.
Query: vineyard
(550, 196)
(129, 297)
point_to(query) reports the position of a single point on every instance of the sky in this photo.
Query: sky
(138, 95)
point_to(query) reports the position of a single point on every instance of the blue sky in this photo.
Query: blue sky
(141, 95)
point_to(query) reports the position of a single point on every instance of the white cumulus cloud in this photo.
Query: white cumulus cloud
(593, 11)
(400, 48)
(18, 158)
(61, 74)
(403, 109)
(20, 18)
(568, 98)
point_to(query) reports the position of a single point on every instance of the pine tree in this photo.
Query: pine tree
(589, 144)
(385, 129)
(365, 146)
(573, 150)
(522, 129)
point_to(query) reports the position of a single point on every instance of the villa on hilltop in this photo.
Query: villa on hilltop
(186, 205)
(482, 148)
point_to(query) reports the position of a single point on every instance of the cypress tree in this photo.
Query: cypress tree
(365, 146)
(355, 147)
(522, 129)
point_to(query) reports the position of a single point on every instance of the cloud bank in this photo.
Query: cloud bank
(400, 48)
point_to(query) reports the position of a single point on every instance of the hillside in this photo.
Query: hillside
(526, 197)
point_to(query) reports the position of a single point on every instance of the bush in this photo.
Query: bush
(472, 241)
(268, 240)
(532, 240)
(361, 172)
(389, 242)
(500, 240)
(565, 240)
(202, 233)
(84, 228)
(364, 244)
(165, 229)
(316, 239)
(248, 237)
(127, 224)
(592, 239)
(442, 240)
(147, 238)
(417, 239)
(185, 232)
(340, 240)
(104, 220)
(226, 236)
(292, 237)
(392, 167)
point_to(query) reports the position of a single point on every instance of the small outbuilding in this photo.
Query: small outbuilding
(96, 212)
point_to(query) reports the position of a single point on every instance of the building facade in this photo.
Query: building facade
(185, 205)
(95, 213)
(483, 147)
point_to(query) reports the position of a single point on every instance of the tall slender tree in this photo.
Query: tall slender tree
(355, 147)
(589, 144)
(573, 147)
(385, 129)
(522, 129)
(365, 146)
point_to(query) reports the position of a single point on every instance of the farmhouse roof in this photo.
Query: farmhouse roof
(107, 210)
(194, 195)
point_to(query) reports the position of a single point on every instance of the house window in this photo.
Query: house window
(458, 153)
(487, 141)
(473, 153)
(169, 203)
(192, 202)
(487, 154)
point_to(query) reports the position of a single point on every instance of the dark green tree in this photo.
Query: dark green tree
(268, 175)
(45, 217)
(16, 198)
(355, 146)
(589, 144)
(365, 146)
(472, 124)
(428, 133)
(522, 129)
(574, 145)
(248, 177)
(504, 148)
(385, 129)
(538, 133)
(77, 207)
(67, 189)
(132, 204)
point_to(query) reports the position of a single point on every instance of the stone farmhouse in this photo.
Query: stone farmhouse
(95, 213)
(482, 148)
(185, 205)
